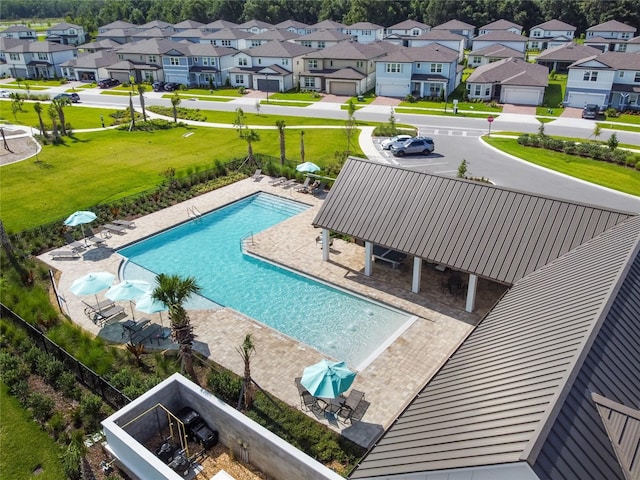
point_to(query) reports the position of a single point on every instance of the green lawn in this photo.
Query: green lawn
(302, 96)
(38, 83)
(601, 173)
(553, 96)
(122, 93)
(262, 119)
(625, 118)
(204, 98)
(449, 112)
(103, 166)
(25, 447)
(614, 126)
(483, 107)
(21, 88)
(284, 103)
(78, 117)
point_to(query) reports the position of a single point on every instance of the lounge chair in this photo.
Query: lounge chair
(319, 189)
(277, 181)
(304, 187)
(73, 244)
(95, 240)
(60, 254)
(103, 316)
(387, 255)
(307, 401)
(119, 229)
(150, 331)
(289, 183)
(125, 223)
(257, 175)
(91, 309)
(351, 405)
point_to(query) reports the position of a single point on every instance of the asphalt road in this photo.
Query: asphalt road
(456, 138)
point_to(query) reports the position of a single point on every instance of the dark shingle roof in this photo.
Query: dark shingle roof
(501, 36)
(208, 50)
(454, 25)
(188, 24)
(408, 25)
(291, 24)
(274, 34)
(438, 35)
(17, 28)
(354, 51)
(611, 26)
(282, 49)
(117, 24)
(501, 24)
(556, 25)
(227, 34)
(255, 23)
(511, 71)
(497, 51)
(364, 26)
(428, 53)
(325, 35)
(615, 60)
(63, 26)
(495, 399)
(568, 52)
(494, 232)
(329, 25)
(220, 24)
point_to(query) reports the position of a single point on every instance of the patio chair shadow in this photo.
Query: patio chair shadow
(97, 254)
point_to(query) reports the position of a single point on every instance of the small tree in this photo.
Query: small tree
(302, 146)
(53, 115)
(350, 125)
(246, 350)
(250, 136)
(392, 121)
(597, 130)
(175, 101)
(281, 125)
(462, 169)
(60, 104)
(612, 143)
(258, 107)
(37, 107)
(16, 105)
(132, 112)
(141, 90)
(238, 122)
(541, 130)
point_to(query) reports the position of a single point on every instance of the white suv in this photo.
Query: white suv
(423, 145)
(398, 139)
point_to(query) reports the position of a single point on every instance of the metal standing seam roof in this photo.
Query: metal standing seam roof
(494, 232)
(495, 399)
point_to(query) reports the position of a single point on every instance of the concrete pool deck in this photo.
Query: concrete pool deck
(389, 381)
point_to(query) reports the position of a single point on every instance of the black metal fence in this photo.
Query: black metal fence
(84, 374)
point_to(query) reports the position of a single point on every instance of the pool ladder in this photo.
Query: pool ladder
(193, 213)
(244, 238)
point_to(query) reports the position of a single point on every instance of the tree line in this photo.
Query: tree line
(528, 13)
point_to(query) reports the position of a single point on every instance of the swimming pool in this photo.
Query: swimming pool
(337, 323)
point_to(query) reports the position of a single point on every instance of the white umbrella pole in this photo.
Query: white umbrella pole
(133, 315)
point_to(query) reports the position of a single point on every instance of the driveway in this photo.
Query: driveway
(570, 112)
(520, 109)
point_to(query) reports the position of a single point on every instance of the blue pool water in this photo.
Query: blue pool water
(339, 324)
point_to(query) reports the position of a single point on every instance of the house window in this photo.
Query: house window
(418, 66)
(174, 61)
(366, 32)
(225, 43)
(240, 79)
(436, 68)
(309, 82)
(242, 62)
(195, 60)
(42, 56)
(478, 90)
(534, 46)
(477, 59)
(347, 32)
(394, 68)
(487, 91)
(434, 89)
(120, 56)
(306, 43)
(255, 43)
(313, 64)
(636, 79)
(205, 61)
(152, 59)
(285, 61)
(622, 47)
(212, 61)
(621, 74)
(320, 45)
(415, 32)
(14, 56)
(625, 35)
(259, 61)
(537, 33)
(359, 64)
(590, 76)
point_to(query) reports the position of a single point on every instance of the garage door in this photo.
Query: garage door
(343, 88)
(265, 85)
(520, 96)
(390, 90)
(580, 99)
(174, 79)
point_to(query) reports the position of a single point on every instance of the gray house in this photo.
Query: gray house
(547, 386)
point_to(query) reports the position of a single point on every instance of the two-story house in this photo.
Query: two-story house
(209, 65)
(609, 36)
(504, 38)
(268, 36)
(255, 26)
(187, 25)
(608, 79)
(149, 33)
(227, 37)
(5, 44)
(19, 32)
(38, 59)
(400, 32)
(490, 54)
(458, 27)
(559, 58)
(329, 25)
(66, 34)
(322, 38)
(90, 66)
(118, 24)
(272, 67)
(428, 71)
(93, 47)
(218, 25)
(550, 34)
(443, 37)
(160, 24)
(500, 26)
(151, 60)
(118, 35)
(365, 32)
(294, 26)
(193, 35)
(347, 68)
(512, 80)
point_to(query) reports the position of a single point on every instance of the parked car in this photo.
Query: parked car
(171, 86)
(72, 97)
(108, 83)
(157, 86)
(590, 111)
(423, 145)
(5, 94)
(397, 140)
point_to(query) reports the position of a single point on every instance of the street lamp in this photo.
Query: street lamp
(267, 85)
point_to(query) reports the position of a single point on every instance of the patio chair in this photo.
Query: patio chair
(257, 175)
(319, 189)
(307, 401)
(104, 316)
(91, 309)
(277, 181)
(289, 183)
(60, 254)
(119, 229)
(125, 223)
(95, 240)
(304, 187)
(73, 244)
(350, 405)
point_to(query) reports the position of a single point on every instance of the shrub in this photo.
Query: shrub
(41, 406)
(410, 98)
(225, 384)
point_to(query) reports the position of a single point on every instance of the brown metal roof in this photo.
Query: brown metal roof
(495, 232)
(498, 395)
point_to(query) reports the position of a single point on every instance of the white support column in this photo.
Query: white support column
(368, 255)
(471, 293)
(417, 274)
(325, 244)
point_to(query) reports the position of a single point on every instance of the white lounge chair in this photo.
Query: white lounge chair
(119, 229)
(124, 223)
(68, 254)
(257, 175)
(304, 187)
(73, 244)
(277, 181)
(95, 240)
(289, 183)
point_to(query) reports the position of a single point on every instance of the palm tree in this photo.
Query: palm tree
(132, 112)
(175, 101)
(302, 146)
(53, 115)
(141, 90)
(173, 291)
(59, 104)
(281, 125)
(37, 107)
(246, 350)
(250, 136)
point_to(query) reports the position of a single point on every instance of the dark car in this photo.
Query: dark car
(590, 111)
(72, 97)
(108, 83)
(171, 86)
(423, 145)
(157, 86)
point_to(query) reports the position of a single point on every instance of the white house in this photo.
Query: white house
(365, 32)
(427, 71)
(501, 26)
(504, 38)
(610, 36)
(559, 58)
(511, 80)
(492, 53)
(89, 67)
(38, 59)
(458, 27)
(66, 34)
(633, 45)
(407, 28)
(19, 32)
(269, 36)
(550, 34)
(294, 26)
(442, 37)
(255, 26)
(228, 37)
(322, 38)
